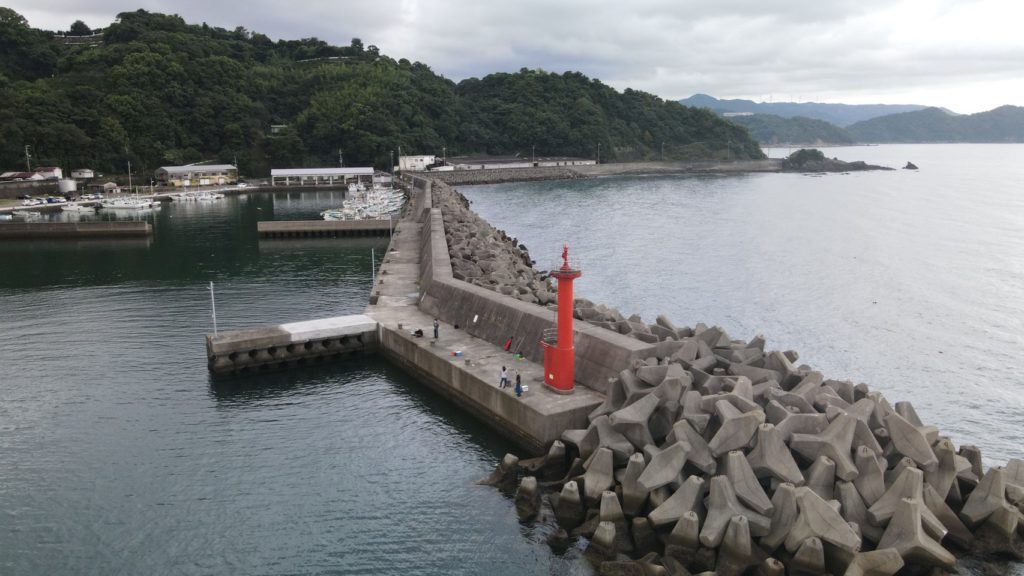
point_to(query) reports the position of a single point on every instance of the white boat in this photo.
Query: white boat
(127, 204)
(76, 207)
(373, 204)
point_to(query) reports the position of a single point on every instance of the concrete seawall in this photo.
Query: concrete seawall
(600, 354)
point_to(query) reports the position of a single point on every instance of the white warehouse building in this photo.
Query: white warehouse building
(319, 176)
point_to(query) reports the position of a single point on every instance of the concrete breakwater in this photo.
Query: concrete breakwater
(502, 175)
(710, 453)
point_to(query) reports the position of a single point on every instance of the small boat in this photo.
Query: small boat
(76, 207)
(127, 204)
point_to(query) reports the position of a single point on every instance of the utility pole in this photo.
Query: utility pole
(391, 164)
(28, 159)
(341, 161)
(662, 150)
(533, 154)
(598, 152)
(444, 155)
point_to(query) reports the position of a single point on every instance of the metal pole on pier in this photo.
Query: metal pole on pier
(213, 306)
(373, 268)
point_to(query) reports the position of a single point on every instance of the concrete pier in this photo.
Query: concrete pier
(461, 367)
(287, 345)
(323, 228)
(80, 230)
(463, 364)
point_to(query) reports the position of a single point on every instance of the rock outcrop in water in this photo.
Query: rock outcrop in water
(728, 457)
(813, 160)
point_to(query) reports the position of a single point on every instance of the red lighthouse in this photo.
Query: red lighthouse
(560, 358)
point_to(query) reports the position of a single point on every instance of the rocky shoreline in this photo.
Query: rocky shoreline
(720, 456)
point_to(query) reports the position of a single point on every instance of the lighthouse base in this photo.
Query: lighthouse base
(558, 368)
(558, 390)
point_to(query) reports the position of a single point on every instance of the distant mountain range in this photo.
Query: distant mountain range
(839, 114)
(807, 123)
(1004, 124)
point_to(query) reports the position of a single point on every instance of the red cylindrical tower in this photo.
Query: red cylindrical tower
(560, 359)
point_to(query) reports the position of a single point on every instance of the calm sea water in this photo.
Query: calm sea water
(120, 455)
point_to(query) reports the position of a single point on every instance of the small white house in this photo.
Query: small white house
(50, 172)
(416, 163)
(197, 174)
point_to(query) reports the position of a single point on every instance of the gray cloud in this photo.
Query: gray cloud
(964, 55)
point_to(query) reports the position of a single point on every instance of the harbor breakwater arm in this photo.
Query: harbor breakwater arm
(711, 453)
(681, 447)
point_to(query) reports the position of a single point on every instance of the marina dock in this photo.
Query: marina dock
(79, 230)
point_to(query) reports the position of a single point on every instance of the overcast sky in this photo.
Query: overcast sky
(965, 55)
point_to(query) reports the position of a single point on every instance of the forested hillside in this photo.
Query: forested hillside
(1003, 124)
(156, 91)
(770, 129)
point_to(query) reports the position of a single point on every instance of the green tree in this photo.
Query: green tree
(79, 28)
